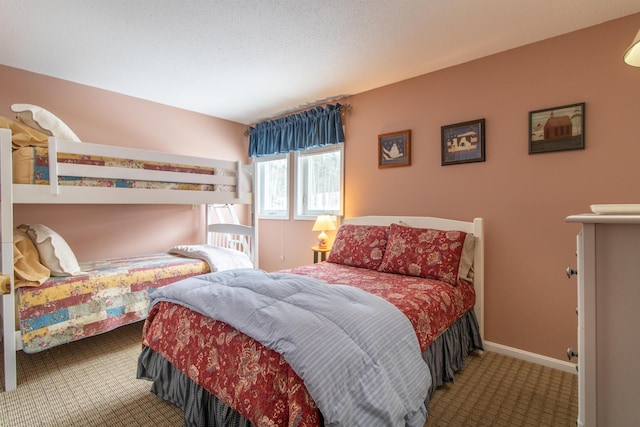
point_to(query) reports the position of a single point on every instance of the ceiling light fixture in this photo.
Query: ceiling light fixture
(632, 55)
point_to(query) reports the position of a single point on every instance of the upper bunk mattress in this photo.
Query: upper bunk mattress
(31, 166)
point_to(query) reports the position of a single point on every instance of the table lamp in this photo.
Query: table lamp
(323, 223)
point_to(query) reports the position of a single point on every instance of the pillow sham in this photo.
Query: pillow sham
(359, 245)
(466, 272)
(55, 253)
(423, 252)
(44, 121)
(23, 135)
(218, 258)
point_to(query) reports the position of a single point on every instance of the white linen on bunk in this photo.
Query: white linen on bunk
(218, 258)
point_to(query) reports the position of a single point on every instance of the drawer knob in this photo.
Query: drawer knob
(571, 354)
(571, 272)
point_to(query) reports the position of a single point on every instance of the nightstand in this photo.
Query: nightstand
(319, 251)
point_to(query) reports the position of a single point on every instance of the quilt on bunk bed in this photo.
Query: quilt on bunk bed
(217, 374)
(31, 166)
(30, 156)
(105, 295)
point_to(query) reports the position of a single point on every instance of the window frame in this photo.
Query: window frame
(299, 182)
(260, 182)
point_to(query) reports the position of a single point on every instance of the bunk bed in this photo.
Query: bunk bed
(228, 356)
(71, 172)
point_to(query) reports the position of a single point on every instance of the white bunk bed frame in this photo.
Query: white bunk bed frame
(53, 193)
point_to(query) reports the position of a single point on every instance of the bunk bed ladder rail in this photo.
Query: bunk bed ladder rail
(8, 300)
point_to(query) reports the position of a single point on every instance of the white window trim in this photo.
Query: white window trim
(258, 182)
(296, 182)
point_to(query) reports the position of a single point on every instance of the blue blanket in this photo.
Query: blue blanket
(357, 354)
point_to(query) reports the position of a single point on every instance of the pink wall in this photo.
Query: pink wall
(529, 302)
(524, 198)
(99, 116)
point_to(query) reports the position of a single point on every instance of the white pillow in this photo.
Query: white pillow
(46, 122)
(55, 253)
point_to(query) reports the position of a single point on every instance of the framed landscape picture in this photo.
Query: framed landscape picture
(556, 129)
(463, 142)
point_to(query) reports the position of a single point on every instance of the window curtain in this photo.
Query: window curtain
(309, 129)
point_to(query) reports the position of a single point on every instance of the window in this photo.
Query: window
(319, 181)
(273, 186)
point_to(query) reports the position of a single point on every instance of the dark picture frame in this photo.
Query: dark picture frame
(463, 142)
(557, 129)
(394, 149)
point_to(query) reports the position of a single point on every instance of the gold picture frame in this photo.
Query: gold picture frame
(394, 149)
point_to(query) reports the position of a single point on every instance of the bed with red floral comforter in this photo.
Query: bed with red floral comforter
(235, 381)
(255, 380)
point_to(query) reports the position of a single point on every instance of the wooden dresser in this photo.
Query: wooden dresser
(608, 354)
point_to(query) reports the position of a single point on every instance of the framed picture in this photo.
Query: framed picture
(556, 129)
(394, 149)
(463, 142)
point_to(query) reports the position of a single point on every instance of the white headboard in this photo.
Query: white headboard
(476, 227)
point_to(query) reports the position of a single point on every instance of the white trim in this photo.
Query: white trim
(539, 359)
(300, 177)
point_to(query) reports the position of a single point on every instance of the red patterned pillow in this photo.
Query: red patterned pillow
(359, 245)
(423, 252)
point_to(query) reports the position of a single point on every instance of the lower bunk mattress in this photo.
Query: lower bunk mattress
(221, 377)
(108, 294)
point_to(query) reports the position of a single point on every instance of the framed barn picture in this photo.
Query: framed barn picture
(556, 129)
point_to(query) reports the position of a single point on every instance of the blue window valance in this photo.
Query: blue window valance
(309, 129)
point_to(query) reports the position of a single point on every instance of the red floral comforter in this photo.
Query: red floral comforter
(255, 380)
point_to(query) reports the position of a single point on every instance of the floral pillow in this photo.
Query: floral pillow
(423, 252)
(359, 245)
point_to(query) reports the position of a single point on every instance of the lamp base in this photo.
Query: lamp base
(323, 240)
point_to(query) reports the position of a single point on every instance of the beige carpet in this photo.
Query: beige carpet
(92, 383)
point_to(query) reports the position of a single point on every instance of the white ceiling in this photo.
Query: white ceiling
(247, 60)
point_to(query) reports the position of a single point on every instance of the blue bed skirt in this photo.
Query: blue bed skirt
(445, 356)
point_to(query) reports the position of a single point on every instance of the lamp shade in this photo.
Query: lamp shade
(324, 223)
(632, 55)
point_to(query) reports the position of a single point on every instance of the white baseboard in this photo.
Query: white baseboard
(530, 357)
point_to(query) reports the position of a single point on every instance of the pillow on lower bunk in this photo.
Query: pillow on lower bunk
(424, 252)
(359, 245)
(218, 258)
(54, 251)
(43, 121)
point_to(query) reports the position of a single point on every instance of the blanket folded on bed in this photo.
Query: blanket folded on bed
(357, 354)
(27, 268)
(219, 259)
